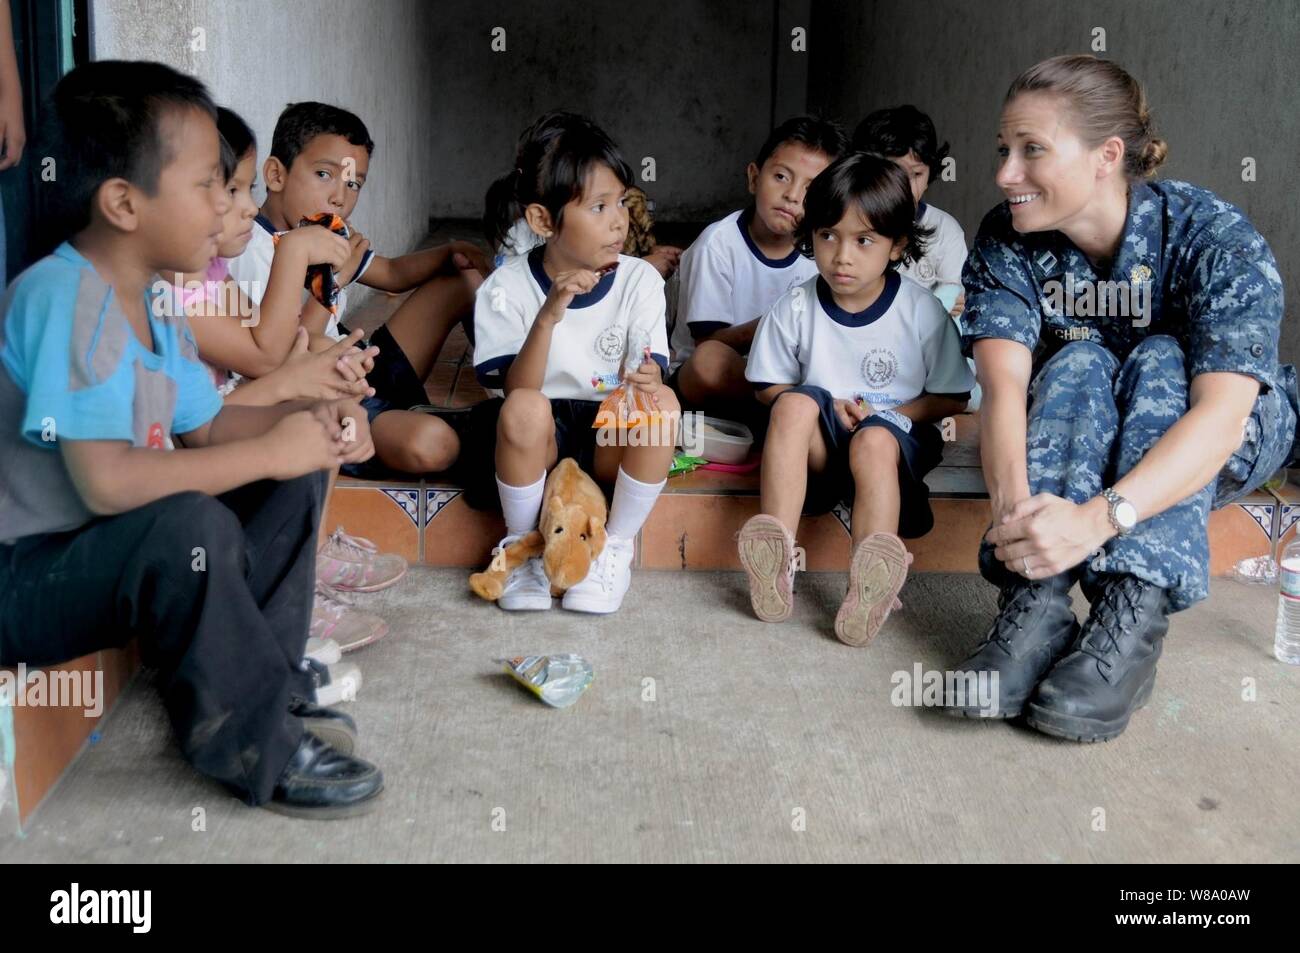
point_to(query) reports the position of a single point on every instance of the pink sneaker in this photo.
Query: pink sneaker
(335, 617)
(354, 564)
(767, 553)
(876, 574)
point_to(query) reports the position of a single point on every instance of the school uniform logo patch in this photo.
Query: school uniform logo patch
(925, 270)
(879, 367)
(610, 343)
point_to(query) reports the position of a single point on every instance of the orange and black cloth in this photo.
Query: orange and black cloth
(321, 280)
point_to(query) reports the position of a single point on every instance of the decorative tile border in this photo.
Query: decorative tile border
(1290, 516)
(435, 500)
(408, 500)
(844, 513)
(1262, 514)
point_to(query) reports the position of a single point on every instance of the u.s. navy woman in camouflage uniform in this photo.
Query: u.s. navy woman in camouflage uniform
(1139, 323)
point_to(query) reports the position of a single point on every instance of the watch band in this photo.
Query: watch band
(1113, 500)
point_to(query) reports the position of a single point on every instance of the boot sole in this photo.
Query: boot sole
(335, 734)
(765, 553)
(876, 575)
(1086, 730)
(979, 714)
(332, 812)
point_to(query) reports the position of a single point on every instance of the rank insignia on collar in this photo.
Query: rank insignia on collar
(1046, 262)
(1140, 274)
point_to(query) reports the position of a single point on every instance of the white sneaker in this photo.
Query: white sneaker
(527, 588)
(607, 581)
(334, 683)
(325, 651)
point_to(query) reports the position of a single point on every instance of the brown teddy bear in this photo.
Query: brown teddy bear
(571, 535)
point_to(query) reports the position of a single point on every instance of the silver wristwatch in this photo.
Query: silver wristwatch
(1123, 515)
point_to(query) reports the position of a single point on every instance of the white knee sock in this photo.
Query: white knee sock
(521, 505)
(633, 501)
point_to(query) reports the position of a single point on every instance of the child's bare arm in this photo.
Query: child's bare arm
(528, 370)
(396, 275)
(315, 318)
(250, 443)
(307, 375)
(738, 337)
(259, 341)
(282, 309)
(929, 408)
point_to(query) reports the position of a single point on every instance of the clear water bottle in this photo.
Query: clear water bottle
(1286, 643)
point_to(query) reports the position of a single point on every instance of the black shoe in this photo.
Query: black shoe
(318, 782)
(330, 725)
(1092, 692)
(1035, 626)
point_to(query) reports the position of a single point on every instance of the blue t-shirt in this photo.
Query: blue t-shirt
(72, 368)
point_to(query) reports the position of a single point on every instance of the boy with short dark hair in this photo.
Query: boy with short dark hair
(319, 162)
(740, 265)
(132, 503)
(906, 136)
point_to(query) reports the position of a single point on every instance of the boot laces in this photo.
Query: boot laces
(1008, 623)
(1118, 601)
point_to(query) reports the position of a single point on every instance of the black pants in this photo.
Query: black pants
(218, 590)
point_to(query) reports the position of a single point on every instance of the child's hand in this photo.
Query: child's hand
(317, 376)
(469, 257)
(959, 305)
(302, 442)
(353, 440)
(318, 245)
(852, 412)
(647, 378)
(566, 286)
(354, 365)
(665, 258)
(359, 245)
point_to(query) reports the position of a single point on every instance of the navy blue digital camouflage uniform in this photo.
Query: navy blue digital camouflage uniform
(1107, 386)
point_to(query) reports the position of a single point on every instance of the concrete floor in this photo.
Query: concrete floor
(752, 729)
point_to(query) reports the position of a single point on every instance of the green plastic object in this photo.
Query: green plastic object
(685, 463)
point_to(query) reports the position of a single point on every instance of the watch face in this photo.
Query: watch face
(1126, 515)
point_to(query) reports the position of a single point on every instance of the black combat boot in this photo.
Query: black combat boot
(1091, 693)
(1035, 627)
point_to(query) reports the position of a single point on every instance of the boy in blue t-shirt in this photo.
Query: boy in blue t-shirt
(132, 504)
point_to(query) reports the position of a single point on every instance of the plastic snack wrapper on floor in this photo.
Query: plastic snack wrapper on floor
(557, 680)
(1258, 570)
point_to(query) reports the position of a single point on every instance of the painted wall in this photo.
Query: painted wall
(1222, 80)
(338, 51)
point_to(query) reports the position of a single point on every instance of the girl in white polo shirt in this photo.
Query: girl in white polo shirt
(552, 327)
(859, 364)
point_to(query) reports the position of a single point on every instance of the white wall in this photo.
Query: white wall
(260, 56)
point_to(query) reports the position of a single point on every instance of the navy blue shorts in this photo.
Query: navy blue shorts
(397, 387)
(574, 437)
(919, 452)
